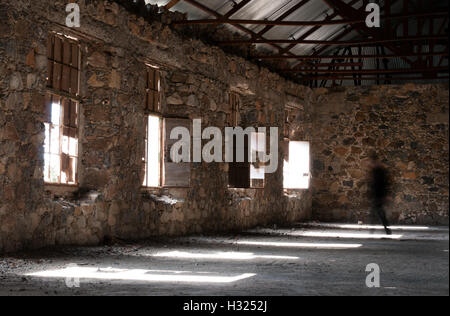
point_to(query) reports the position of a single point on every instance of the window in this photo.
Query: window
(246, 174)
(152, 161)
(159, 168)
(153, 135)
(62, 111)
(63, 56)
(238, 172)
(297, 165)
(175, 174)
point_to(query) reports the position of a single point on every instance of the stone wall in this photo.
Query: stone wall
(109, 201)
(408, 127)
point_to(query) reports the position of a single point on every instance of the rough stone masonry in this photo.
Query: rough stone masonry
(408, 128)
(196, 78)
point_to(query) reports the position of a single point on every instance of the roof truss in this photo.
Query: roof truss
(417, 50)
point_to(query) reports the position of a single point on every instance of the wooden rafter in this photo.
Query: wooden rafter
(220, 16)
(348, 12)
(429, 33)
(171, 4)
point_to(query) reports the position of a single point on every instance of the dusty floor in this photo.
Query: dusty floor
(305, 260)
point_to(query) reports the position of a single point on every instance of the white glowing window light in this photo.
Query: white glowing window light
(153, 152)
(56, 144)
(297, 169)
(139, 275)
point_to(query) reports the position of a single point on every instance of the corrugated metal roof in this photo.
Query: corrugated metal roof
(314, 10)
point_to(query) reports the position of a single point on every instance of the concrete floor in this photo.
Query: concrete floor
(309, 259)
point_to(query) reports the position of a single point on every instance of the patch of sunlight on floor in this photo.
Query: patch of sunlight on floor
(139, 275)
(299, 245)
(345, 235)
(220, 256)
(376, 227)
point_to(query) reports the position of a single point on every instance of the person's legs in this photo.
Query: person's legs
(382, 215)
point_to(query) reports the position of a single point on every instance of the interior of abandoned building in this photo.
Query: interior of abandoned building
(86, 121)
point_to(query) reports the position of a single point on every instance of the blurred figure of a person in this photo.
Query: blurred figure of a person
(379, 190)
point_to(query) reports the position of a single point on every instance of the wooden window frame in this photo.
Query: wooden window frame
(162, 162)
(237, 167)
(153, 90)
(55, 78)
(63, 92)
(163, 157)
(62, 126)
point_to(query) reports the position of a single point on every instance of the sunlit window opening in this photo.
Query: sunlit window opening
(257, 171)
(61, 110)
(152, 158)
(61, 142)
(297, 167)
